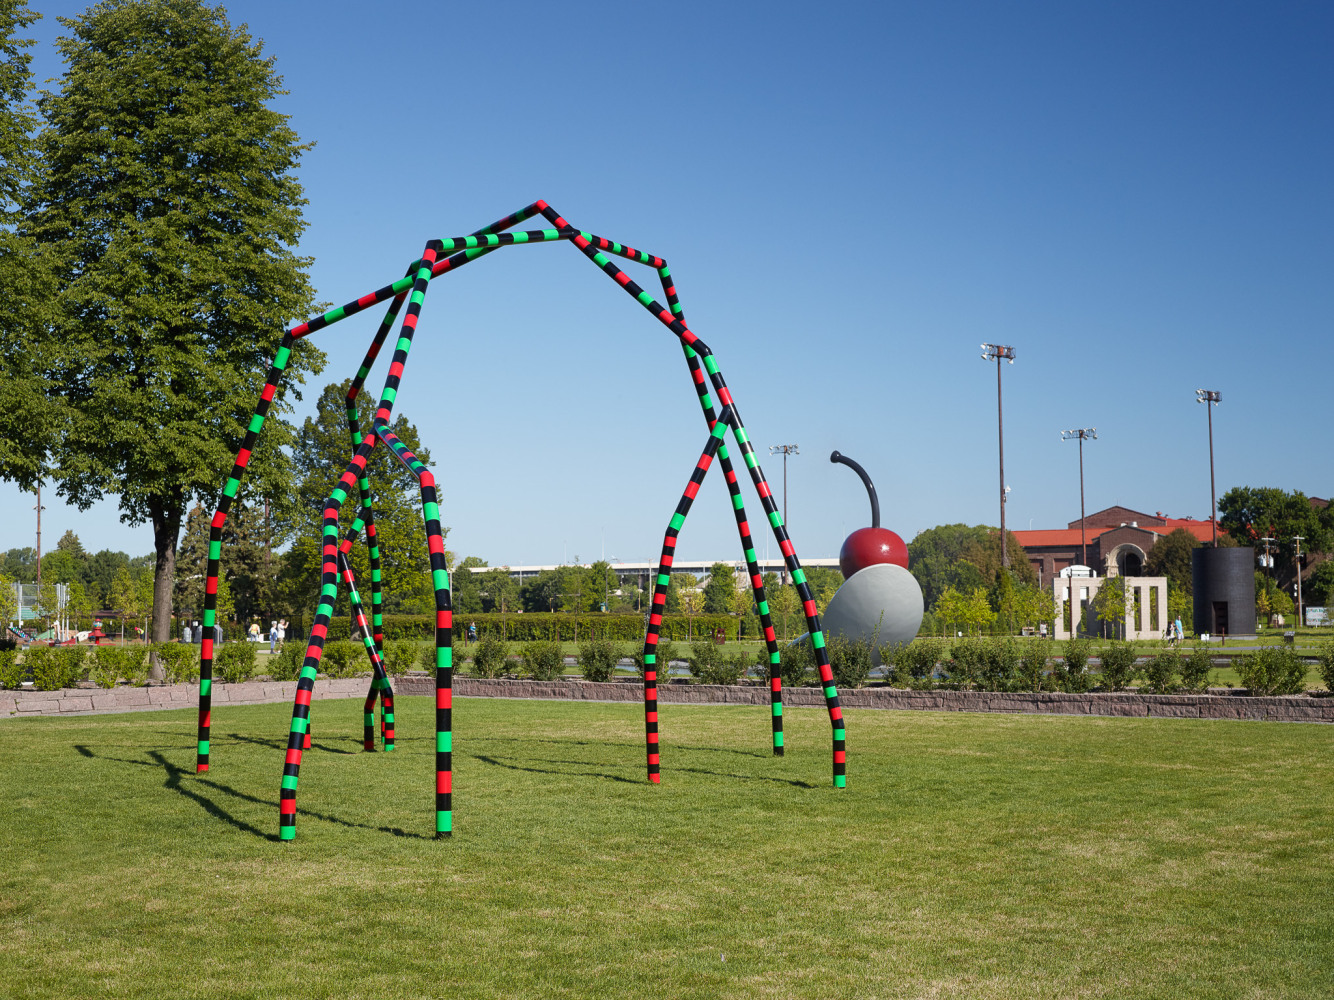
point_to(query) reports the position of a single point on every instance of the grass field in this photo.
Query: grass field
(969, 856)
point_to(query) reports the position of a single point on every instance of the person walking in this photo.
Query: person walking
(273, 636)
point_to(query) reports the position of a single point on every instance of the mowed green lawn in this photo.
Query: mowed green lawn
(969, 856)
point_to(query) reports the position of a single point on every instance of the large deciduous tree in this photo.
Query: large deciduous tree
(322, 451)
(1250, 513)
(167, 207)
(965, 558)
(27, 425)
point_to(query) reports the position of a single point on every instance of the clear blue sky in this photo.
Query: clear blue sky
(1138, 196)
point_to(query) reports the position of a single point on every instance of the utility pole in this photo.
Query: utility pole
(1298, 558)
(1211, 398)
(999, 353)
(784, 450)
(1082, 434)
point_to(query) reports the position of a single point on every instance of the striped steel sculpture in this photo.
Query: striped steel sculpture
(721, 417)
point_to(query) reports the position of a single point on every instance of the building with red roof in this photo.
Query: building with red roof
(1117, 541)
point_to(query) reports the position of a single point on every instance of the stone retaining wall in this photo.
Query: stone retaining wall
(1219, 705)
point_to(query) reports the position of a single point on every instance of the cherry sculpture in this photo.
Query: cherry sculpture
(879, 600)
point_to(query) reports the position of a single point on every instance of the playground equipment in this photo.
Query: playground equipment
(438, 258)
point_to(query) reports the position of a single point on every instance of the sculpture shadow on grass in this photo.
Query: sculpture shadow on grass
(173, 783)
(567, 773)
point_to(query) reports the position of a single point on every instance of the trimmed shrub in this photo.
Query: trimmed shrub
(178, 660)
(703, 657)
(728, 670)
(850, 662)
(398, 657)
(12, 672)
(664, 655)
(548, 625)
(797, 663)
(597, 659)
(1000, 663)
(1074, 677)
(758, 667)
(1118, 664)
(965, 663)
(285, 665)
(1032, 673)
(1325, 655)
(1272, 670)
(916, 662)
(491, 658)
(543, 659)
(234, 662)
(111, 663)
(55, 667)
(342, 658)
(1194, 669)
(1160, 672)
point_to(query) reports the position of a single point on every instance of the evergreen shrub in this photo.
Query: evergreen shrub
(491, 658)
(543, 659)
(12, 672)
(1074, 677)
(999, 665)
(597, 659)
(1325, 656)
(342, 658)
(1118, 664)
(398, 657)
(1272, 670)
(1161, 671)
(111, 663)
(234, 662)
(179, 661)
(55, 667)
(1032, 674)
(850, 662)
(1195, 667)
(285, 665)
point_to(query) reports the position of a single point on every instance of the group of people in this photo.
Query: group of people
(277, 633)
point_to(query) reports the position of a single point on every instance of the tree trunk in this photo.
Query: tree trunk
(166, 533)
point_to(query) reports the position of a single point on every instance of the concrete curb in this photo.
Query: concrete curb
(92, 701)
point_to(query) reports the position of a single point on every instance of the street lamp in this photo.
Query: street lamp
(784, 450)
(1208, 396)
(1082, 434)
(1298, 559)
(998, 353)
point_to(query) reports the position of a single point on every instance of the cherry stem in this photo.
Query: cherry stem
(866, 481)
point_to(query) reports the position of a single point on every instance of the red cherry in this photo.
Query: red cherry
(869, 546)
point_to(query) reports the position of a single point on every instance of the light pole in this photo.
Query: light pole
(784, 450)
(1298, 560)
(1211, 398)
(1082, 434)
(999, 353)
(39, 510)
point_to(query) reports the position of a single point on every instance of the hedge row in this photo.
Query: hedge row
(546, 625)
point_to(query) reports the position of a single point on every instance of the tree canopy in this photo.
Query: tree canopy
(167, 207)
(1250, 513)
(321, 453)
(965, 558)
(1171, 557)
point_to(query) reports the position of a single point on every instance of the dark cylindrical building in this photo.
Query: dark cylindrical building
(1224, 581)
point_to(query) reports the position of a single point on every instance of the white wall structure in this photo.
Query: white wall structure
(1146, 605)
